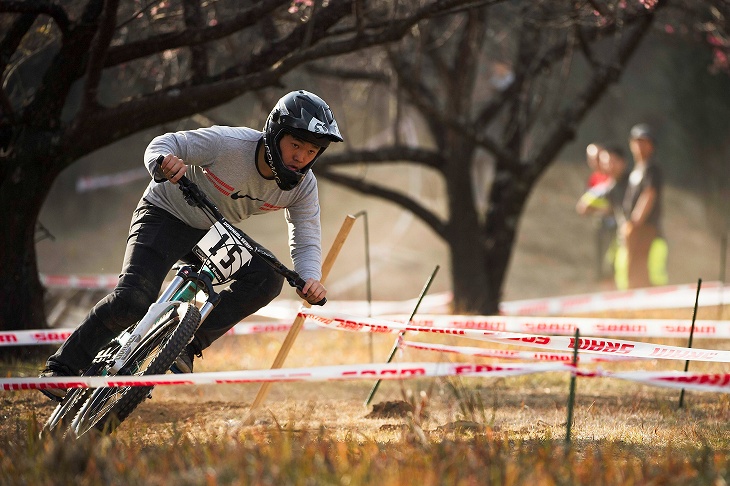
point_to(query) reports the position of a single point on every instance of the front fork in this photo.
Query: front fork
(183, 289)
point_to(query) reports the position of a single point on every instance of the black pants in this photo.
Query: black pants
(157, 240)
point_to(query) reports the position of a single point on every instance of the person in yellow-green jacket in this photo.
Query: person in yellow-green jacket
(609, 197)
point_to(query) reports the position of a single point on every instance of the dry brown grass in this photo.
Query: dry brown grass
(463, 431)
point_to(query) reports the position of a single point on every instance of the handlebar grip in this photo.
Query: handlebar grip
(184, 181)
(299, 283)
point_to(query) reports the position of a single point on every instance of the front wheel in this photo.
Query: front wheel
(59, 423)
(107, 407)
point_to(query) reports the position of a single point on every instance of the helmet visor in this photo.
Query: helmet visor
(320, 140)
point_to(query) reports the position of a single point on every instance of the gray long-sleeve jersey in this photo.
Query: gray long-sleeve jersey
(222, 162)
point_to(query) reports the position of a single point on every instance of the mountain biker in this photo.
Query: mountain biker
(244, 172)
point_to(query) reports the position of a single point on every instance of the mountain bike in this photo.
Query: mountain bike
(152, 345)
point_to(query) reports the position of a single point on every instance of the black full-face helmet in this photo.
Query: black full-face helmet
(305, 116)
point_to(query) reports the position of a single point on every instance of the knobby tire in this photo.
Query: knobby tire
(60, 420)
(63, 415)
(107, 407)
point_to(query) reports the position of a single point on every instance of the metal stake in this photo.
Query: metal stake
(691, 334)
(571, 395)
(367, 273)
(402, 333)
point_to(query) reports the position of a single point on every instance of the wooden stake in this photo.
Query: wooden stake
(297, 325)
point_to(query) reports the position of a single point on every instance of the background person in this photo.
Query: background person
(606, 198)
(605, 228)
(642, 205)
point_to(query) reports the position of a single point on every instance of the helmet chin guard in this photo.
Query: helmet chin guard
(305, 116)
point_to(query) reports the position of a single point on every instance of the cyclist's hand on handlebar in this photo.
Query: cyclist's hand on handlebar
(173, 168)
(313, 291)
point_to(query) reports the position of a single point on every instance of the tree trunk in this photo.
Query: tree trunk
(28, 175)
(506, 202)
(471, 292)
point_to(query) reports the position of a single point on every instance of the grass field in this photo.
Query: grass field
(458, 431)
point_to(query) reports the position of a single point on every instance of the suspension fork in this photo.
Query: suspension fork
(182, 289)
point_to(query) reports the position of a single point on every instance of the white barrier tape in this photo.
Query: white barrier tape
(667, 297)
(718, 382)
(559, 343)
(249, 328)
(89, 282)
(59, 335)
(90, 183)
(387, 371)
(657, 328)
(36, 336)
(512, 354)
(708, 382)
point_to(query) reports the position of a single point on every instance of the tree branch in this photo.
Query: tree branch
(38, 7)
(427, 158)
(190, 37)
(199, 56)
(13, 38)
(327, 70)
(359, 185)
(99, 48)
(565, 126)
(185, 99)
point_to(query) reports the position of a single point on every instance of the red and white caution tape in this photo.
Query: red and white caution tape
(59, 335)
(611, 347)
(667, 297)
(658, 328)
(90, 183)
(36, 336)
(248, 328)
(647, 328)
(513, 354)
(88, 282)
(387, 371)
(708, 382)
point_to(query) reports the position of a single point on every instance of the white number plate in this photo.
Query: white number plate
(220, 250)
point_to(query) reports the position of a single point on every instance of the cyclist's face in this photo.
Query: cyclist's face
(297, 153)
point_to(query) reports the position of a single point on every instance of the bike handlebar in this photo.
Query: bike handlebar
(195, 197)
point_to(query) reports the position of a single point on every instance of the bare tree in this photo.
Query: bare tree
(80, 74)
(505, 85)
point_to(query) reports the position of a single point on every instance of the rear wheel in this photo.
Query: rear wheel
(107, 407)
